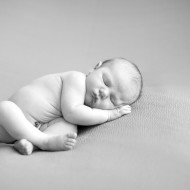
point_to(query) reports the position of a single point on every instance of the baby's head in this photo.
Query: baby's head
(113, 83)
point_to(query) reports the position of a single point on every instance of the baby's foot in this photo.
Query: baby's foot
(58, 143)
(24, 147)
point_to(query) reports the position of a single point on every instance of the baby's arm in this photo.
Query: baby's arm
(73, 108)
(84, 115)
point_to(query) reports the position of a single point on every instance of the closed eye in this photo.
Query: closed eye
(106, 81)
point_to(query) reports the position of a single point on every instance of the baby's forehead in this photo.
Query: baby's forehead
(120, 78)
(121, 70)
(120, 65)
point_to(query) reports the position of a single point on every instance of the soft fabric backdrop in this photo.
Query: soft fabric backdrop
(148, 149)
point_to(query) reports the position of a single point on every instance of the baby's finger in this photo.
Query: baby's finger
(127, 107)
(125, 110)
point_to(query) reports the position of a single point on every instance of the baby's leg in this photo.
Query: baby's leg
(18, 127)
(56, 127)
(13, 121)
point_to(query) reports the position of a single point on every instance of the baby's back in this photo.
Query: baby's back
(41, 99)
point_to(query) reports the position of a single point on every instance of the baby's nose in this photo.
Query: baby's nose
(104, 93)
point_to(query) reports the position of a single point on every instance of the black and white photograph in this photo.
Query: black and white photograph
(95, 94)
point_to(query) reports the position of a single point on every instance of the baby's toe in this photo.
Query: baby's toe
(72, 135)
(70, 143)
(73, 141)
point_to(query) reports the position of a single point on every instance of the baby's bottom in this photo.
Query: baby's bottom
(15, 126)
(55, 127)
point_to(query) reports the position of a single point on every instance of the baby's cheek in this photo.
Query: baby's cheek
(105, 105)
(87, 102)
(87, 99)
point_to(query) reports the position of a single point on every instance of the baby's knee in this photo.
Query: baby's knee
(74, 128)
(71, 128)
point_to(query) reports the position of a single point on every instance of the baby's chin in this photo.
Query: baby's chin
(88, 103)
(97, 106)
(92, 104)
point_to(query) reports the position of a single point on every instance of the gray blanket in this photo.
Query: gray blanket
(148, 149)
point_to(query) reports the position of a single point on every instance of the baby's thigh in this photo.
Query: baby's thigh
(59, 127)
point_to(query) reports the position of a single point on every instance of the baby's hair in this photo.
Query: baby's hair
(136, 77)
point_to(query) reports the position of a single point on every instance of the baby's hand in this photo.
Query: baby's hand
(118, 112)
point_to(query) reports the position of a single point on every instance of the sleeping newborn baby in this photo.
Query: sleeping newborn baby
(45, 113)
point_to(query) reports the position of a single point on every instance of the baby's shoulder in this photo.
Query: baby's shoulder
(74, 78)
(76, 75)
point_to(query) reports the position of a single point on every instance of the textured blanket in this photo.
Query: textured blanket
(148, 149)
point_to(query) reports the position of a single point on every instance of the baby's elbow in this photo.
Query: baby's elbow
(69, 117)
(73, 115)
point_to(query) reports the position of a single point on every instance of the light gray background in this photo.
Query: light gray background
(149, 149)
(39, 37)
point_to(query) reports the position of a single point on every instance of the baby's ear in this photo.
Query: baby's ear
(98, 65)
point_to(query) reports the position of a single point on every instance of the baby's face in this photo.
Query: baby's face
(106, 87)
